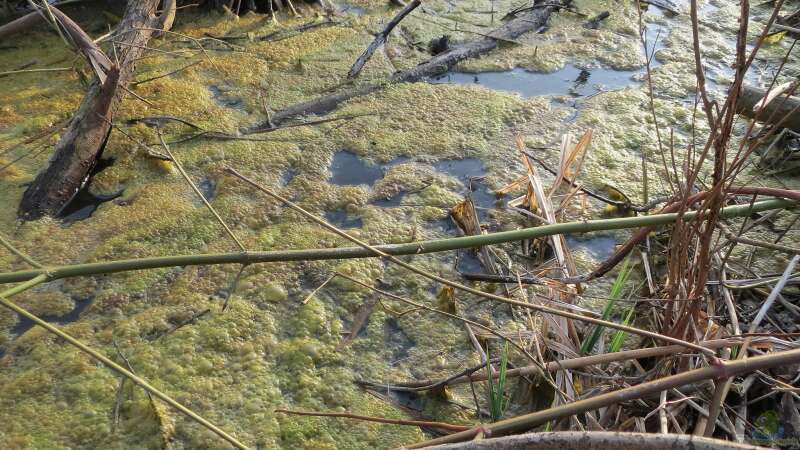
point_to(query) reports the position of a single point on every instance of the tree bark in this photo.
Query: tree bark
(782, 110)
(82, 144)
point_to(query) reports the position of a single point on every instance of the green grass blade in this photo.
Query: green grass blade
(619, 336)
(616, 291)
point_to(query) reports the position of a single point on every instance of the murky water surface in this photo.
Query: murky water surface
(570, 80)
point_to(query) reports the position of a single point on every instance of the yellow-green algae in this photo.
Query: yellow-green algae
(268, 350)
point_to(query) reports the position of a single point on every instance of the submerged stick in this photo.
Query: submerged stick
(413, 248)
(380, 39)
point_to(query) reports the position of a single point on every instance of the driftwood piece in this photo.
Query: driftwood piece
(529, 21)
(782, 110)
(380, 39)
(82, 143)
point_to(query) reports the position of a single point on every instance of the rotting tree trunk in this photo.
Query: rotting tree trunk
(82, 144)
(782, 110)
(529, 21)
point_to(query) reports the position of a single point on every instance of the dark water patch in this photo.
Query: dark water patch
(208, 188)
(463, 169)
(471, 172)
(223, 99)
(343, 219)
(445, 225)
(84, 203)
(24, 324)
(599, 247)
(348, 169)
(288, 175)
(570, 80)
(468, 262)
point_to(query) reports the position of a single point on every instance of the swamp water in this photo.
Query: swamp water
(437, 142)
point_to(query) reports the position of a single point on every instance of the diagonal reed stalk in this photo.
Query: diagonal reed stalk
(4, 301)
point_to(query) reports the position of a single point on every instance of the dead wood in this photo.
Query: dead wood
(529, 21)
(380, 39)
(782, 110)
(82, 143)
(19, 25)
(580, 440)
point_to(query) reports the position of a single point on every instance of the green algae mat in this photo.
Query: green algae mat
(424, 145)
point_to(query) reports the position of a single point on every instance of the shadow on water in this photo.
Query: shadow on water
(570, 80)
(84, 203)
(396, 340)
(24, 324)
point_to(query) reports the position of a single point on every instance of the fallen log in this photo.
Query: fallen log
(82, 143)
(529, 21)
(782, 110)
